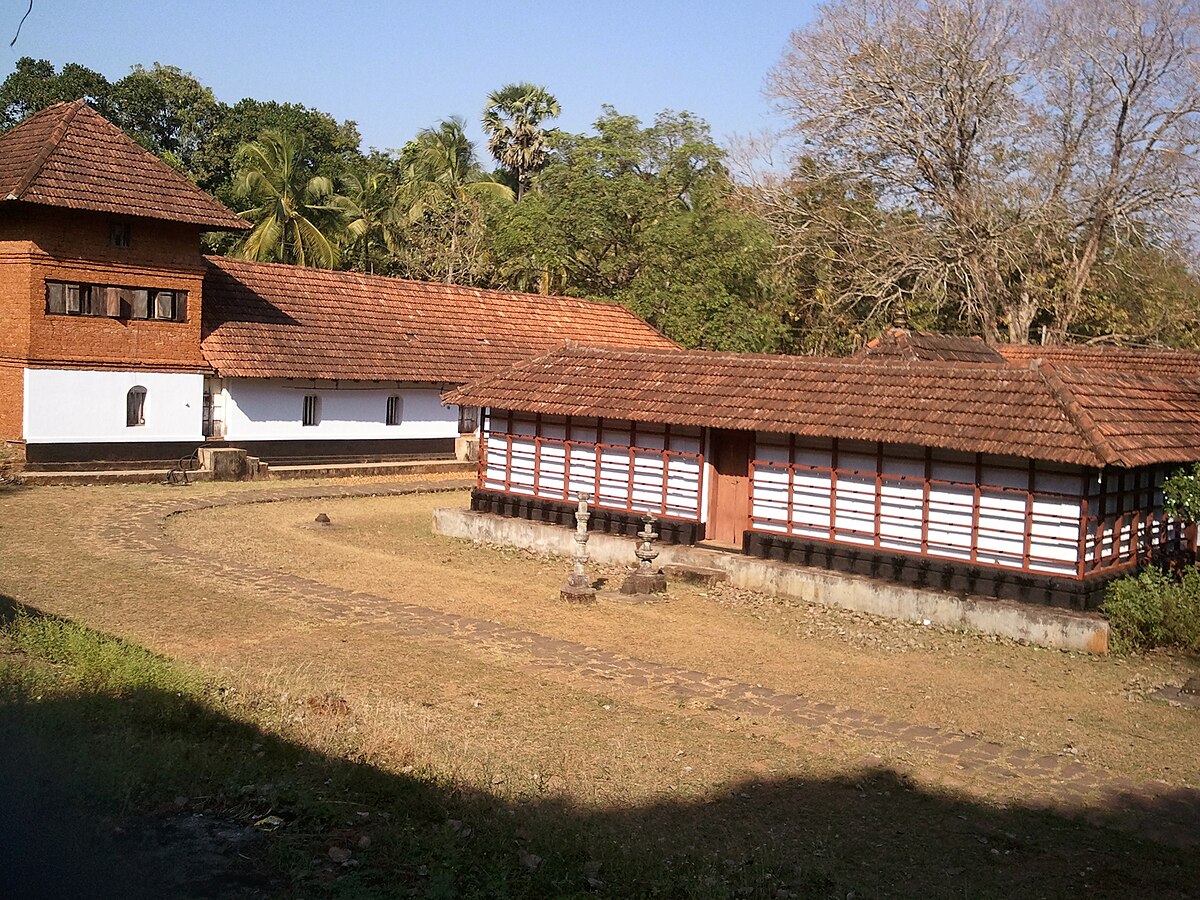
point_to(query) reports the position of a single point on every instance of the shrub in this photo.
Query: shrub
(1154, 609)
(1181, 494)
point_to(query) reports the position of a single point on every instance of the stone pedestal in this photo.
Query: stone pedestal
(571, 594)
(579, 586)
(646, 579)
(644, 583)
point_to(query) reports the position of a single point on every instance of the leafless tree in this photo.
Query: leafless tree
(1006, 143)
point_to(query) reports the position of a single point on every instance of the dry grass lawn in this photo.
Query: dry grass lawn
(635, 769)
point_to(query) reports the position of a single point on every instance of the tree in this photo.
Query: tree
(513, 117)
(1022, 141)
(1118, 100)
(375, 214)
(297, 216)
(34, 85)
(447, 198)
(167, 110)
(646, 216)
(332, 146)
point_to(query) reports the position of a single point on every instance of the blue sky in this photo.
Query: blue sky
(397, 67)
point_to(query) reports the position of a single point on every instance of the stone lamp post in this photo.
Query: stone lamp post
(646, 579)
(579, 587)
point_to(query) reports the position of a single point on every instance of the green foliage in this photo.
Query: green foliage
(34, 85)
(1181, 493)
(513, 120)
(1153, 609)
(646, 216)
(296, 214)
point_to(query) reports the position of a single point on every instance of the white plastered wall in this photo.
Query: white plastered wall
(255, 409)
(82, 406)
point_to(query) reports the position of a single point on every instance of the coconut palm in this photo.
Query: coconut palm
(296, 213)
(512, 118)
(374, 212)
(446, 188)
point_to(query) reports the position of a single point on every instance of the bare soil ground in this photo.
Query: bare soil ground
(835, 811)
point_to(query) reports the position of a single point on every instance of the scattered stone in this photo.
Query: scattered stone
(555, 784)
(323, 519)
(1191, 686)
(339, 854)
(529, 860)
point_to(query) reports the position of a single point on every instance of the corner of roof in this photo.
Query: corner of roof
(1079, 417)
(48, 147)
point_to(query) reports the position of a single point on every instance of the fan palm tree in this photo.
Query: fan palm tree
(295, 211)
(443, 180)
(512, 118)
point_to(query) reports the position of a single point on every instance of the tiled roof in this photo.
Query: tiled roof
(71, 156)
(265, 320)
(1165, 363)
(1039, 413)
(900, 343)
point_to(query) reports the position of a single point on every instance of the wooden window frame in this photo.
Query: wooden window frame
(310, 412)
(83, 299)
(394, 411)
(468, 419)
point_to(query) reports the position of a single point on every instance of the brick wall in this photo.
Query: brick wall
(38, 243)
(12, 395)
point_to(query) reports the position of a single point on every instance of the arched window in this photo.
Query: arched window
(135, 406)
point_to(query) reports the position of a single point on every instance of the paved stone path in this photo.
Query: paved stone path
(1059, 783)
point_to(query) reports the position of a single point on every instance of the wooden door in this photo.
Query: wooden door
(729, 493)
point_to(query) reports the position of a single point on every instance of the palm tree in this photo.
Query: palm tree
(443, 180)
(296, 212)
(374, 213)
(513, 118)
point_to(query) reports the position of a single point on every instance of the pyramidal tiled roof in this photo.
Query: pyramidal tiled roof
(1068, 415)
(269, 320)
(901, 343)
(68, 155)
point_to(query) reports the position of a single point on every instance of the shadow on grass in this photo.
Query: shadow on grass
(120, 776)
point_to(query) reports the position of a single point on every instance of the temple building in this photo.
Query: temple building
(1032, 480)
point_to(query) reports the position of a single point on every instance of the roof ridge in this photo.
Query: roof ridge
(48, 148)
(1075, 413)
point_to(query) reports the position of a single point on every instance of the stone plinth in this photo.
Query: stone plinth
(644, 583)
(578, 594)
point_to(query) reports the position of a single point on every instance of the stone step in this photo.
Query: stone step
(108, 476)
(364, 469)
(695, 574)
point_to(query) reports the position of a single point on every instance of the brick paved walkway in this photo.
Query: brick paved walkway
(1155, 810)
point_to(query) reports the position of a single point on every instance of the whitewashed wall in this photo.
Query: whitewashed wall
(833, 497)
(271, 410)
(537, 458)
(81, 406)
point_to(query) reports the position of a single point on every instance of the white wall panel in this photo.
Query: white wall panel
(557, 460)
(82, 406)
(268, 409)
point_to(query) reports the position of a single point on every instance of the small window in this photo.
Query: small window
(395, 410)
(135, 407)
(468, 419)
(312, 410)
(119, 234)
